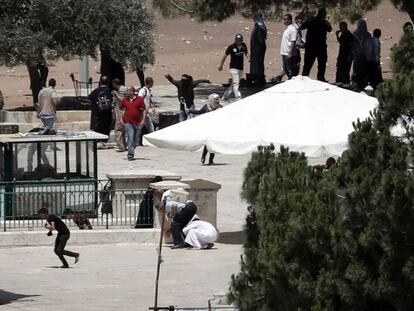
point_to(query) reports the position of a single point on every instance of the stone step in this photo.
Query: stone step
(80, 237)
(78, 126)
(31, 116)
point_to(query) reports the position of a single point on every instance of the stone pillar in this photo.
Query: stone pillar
(204, 195)
(129, 188)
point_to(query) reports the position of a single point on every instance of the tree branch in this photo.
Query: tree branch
(180, 8)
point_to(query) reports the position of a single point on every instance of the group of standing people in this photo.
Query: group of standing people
(115, 106)
(359, 50)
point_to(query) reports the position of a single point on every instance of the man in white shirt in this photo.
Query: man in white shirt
(200, 234)
(287, 47)
(146, 95)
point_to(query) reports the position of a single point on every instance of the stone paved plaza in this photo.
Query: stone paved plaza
(113, 277)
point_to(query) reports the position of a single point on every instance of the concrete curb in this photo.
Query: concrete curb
(39, 238)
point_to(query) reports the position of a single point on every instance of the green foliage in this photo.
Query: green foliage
(222, 9)
(34, 30)
(287, 232)
(338, 239)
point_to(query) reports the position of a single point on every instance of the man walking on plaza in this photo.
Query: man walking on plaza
(316, 48)
(134, 119)
(55, 223)
(146, 94)
(237, 51)
(287, 46)
(48, 101)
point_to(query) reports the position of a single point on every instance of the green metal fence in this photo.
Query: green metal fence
(91, 199)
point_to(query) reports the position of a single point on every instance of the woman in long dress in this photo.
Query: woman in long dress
(359, 71)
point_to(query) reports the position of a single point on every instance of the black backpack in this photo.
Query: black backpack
(104, 101)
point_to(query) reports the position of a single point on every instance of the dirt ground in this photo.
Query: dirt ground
(185, 46)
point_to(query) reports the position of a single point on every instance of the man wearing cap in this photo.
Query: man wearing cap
(237, 51)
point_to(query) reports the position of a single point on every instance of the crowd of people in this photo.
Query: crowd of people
(130, 112)
(359, 50)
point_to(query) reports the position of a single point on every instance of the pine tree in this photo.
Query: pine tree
(340, 239)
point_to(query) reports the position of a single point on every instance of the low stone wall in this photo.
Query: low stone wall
(80, 237)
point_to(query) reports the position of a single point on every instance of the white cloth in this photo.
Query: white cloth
(145, 94)
(200, 233)
(305, 115)
(288, 38)
(236, 75)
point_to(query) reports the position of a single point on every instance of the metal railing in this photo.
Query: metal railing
(94, 200)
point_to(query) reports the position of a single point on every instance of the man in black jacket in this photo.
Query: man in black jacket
(316, 47)
(101, 107)
(185, 88)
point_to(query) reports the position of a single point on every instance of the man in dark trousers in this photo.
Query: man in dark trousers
(373, 57)
(101, 107)
(344, 61)
(316, 48)
(55, 223)
(185, 88)
(180, 213)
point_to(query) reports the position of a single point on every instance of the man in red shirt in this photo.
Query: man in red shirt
(134, 118)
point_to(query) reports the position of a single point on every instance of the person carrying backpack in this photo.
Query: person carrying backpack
(101, 108)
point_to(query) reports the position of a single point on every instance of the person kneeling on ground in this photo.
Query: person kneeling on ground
(55, 223)
(200, 234)
(213, 104)
(80, 220)
(180, 215)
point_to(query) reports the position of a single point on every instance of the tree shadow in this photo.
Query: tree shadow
(233, 238)
(8, 297)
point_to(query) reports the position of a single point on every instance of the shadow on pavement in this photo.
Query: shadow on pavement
(56, 267)
(8, 297)
(234, 238)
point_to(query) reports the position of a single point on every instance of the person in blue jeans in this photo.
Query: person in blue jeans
(48, 101)
(134, 118)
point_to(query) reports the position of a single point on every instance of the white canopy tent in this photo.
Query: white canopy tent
(303, 114)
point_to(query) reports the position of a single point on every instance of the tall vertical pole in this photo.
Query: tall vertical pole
(159, 261)
(84, 71)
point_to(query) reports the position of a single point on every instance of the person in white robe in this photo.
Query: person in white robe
(200, 234)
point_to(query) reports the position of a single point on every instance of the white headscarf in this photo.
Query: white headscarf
(212, 104)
